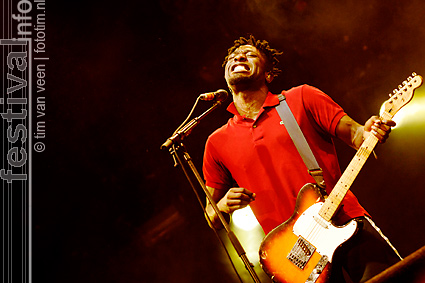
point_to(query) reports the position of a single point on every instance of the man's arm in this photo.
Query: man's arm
(353, 134)
(227, 202)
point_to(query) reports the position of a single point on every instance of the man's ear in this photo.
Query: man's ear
(269, 77)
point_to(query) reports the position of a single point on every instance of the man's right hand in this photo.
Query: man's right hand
(234, 199)
(227, 202)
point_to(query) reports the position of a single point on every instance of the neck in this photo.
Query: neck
(249, 102)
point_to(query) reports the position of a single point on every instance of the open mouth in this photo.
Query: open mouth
(240, 68)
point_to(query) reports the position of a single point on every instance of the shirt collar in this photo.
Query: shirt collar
(271, 101)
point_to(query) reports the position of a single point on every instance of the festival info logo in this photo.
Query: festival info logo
(22, 110)
(17, 79)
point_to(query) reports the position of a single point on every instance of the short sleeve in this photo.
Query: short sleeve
(326, 112)
(215, 173)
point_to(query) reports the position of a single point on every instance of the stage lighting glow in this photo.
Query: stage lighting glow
(244, 219)
(412, 112)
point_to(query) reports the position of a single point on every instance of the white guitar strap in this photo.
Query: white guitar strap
(299, 140)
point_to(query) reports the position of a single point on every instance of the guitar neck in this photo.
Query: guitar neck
(341, 188)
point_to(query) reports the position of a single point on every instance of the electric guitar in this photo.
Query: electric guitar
(301, 248)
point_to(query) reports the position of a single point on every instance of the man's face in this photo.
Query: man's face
(246, 65)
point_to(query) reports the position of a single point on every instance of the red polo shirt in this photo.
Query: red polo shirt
(260, 156)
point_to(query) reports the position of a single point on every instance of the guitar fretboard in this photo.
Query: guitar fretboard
(341, 188)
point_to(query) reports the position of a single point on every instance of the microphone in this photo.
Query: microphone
(219, 95)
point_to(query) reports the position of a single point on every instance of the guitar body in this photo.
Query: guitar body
(301, 249)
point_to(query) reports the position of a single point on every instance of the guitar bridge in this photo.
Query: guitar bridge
(301, 253)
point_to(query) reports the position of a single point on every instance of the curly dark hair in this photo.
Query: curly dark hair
(264, 47)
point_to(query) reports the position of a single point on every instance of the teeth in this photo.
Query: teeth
(239, 68)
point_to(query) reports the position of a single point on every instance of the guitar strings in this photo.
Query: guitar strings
(314, 228)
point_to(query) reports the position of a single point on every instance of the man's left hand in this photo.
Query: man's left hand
(380, 128)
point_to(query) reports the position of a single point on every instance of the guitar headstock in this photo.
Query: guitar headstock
(402, 95)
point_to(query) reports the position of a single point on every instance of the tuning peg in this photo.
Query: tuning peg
(394, 91)
(404, 82)
(414, 74)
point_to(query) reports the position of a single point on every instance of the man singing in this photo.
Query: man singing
(252, 159)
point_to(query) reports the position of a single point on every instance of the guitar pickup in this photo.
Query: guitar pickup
(320, 221)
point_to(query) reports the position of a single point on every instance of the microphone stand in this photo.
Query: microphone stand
(175, 142)
(185, 130)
